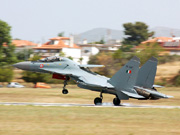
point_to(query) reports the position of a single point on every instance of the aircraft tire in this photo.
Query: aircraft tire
(98, 101)
(116, 101)
(65, 91)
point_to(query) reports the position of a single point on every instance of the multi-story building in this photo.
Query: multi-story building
(59, 46)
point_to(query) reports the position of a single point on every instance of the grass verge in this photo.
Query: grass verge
(31, 120)
(77, 95)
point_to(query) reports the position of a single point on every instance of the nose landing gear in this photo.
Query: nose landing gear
(65, 91)
(98, 100)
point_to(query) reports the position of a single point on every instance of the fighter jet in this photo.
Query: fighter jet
(129, 82)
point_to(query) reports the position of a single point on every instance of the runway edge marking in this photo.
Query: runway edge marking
(89, 105)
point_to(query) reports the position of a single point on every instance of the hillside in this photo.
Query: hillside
(97, 34)
(165, 32)
(167, 70)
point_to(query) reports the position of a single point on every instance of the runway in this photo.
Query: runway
(124, 105)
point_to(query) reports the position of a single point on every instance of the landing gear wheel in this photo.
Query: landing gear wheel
(65, 91)
(116, 101)
(97, 101)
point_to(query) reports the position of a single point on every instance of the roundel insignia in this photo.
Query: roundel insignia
(41, 65)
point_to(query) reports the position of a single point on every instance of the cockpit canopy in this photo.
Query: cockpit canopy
(52, 59)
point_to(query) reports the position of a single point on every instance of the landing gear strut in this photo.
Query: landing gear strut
(116, 101)
(98, 100)
(65, 91)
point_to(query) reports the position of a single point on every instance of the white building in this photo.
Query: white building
(88, 50)
(60, 45)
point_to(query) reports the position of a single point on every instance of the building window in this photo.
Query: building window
(53, 42)
(66, 42)
(86, 51)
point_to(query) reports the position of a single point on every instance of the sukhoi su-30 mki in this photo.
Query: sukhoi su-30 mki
(129, 82)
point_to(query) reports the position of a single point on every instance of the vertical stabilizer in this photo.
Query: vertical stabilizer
(126, 77)
(147, 73)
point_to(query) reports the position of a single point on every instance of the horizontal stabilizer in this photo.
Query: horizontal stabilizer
(169, 96)
(158, 86)
(154, 93)
(132, 94)
(91, 66)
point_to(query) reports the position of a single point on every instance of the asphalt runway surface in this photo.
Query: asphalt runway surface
(124, 105)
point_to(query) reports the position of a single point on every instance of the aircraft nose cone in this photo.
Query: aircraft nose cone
(23, 65)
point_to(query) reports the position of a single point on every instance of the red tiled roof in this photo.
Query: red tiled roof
(158, 39)
(20, 43)
(60, 38)
(60, 44)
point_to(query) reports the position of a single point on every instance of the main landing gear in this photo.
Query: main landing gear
(65, 91)
(116, 101)
(98, 100)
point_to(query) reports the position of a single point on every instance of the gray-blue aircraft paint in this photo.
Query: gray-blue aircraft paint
(129, 82)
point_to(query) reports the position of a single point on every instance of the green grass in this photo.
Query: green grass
(77, 95)
(31, 120)
(36, 120)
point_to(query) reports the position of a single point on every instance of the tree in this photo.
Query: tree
(102, 41)
(177, 80)
(126, 48)
(7, 55)
(6, 74)
(24, 55)
(34, 77)
(5, 36)
(147, 51)
(118, 54)
(61, 34)
(70, 57)
(136, 33)
(62, 54)
(105, 59)
(80, 60)
(98, 42)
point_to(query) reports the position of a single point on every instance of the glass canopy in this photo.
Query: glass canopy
(51, 59)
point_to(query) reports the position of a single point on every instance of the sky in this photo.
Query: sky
(39, 20)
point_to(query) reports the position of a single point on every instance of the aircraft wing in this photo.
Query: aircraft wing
(91, 66)
(90, 80)
(62, 72)
(96, 85)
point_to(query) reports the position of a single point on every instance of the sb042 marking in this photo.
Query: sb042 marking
(41, 65)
